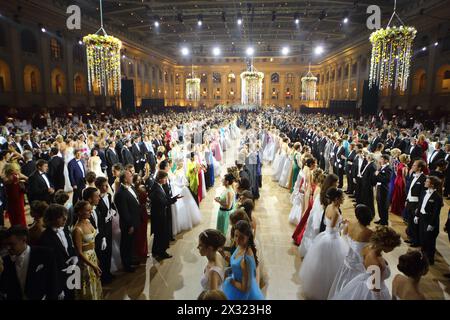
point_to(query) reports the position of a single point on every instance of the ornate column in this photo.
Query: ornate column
(358, 77)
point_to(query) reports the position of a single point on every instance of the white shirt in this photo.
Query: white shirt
(410, 198)
(94, 216)
(20, 147)
(360, 162)
(382, 167)
(44, 176)
(62, 237)
(435, 152)
(428, 195)
(130, 189)
(80, 164)
(21, 263)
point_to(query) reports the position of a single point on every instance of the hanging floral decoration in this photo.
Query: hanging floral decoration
(103, 61)
(392, 50)
(251, 87)
(309, 83)
(391, 57)
(193, 89)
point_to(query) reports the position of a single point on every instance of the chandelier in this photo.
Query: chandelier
(391, 55)
(103, 59)
(193, 88)
(309, 83)
(251, 86)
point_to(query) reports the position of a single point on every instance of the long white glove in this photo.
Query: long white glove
(104, 245)
(430, 228)
(416, 220)
(72, 260)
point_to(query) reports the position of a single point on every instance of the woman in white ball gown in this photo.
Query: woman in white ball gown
(185, 212)
(315, 217)
(358, 236)
(370, 285)
(327, 253)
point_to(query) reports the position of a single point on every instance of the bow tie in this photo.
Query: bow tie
(416, 175)
(18, 260)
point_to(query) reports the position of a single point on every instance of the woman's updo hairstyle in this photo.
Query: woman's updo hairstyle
(229, 177)
(212, 238)
(364, 214)
(385, 237)
(413, 264)
(333, 194)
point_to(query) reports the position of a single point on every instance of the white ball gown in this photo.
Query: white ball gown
(68, 155)
(320, 265)
(286, 171)
(185, 212)
(351, 267)
(280, 165)
(95, 166)
(312, 228)
(360, 288)
(297, 199)
(269, 151)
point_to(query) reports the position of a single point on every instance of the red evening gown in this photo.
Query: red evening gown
(399, 194)
(424, 146)
(301, 227)
(16, 203)
(140, 240)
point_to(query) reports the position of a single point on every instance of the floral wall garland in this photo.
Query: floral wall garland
(251, 87)
(193, 89)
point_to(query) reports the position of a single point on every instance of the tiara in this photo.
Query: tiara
(205, 234)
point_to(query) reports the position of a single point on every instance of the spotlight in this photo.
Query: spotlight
(318, 50)
(124, 56)
(297, 18)
(285, 51)
(436, 44)
(184, 51)
(239, 21)
(345, 20)
(216, 51)
(80, 42)
(43, 29)
(424, 49)
(200, 20)
(41, 26)
(250, 51)
(297, 21)
(156, 24)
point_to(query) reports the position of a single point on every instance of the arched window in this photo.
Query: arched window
(130, 69)
(33, 82)
(5, 77)
(446, 81)
(275, 78)
(55, 49)
(28, 41)
(78, 53)
(78, 84)
(422, 83)
(217, 77)
(177, 79)
(204, 78)
(290, 78)
(58, 84)
(231, 77)
(58, 81)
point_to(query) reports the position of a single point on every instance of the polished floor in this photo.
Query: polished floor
(179, 277)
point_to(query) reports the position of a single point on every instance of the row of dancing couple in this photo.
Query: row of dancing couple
(233, 267)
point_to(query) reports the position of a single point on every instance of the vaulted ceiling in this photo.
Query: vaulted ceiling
(267, 25)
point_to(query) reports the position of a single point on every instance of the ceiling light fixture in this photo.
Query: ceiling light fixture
(184, 51)
(285, 51)
(156, 24)
(216, 51)
(345, 20)
(200, 20)
(318, 50)
(250, 51)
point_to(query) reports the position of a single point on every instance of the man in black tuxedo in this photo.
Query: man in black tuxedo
(29, 165)
(17, 144)
(105, 212)
(127, 156)
(128, 207)
(58, 238)
(29, 272)
(77, 175)
(348, 169)
(111, 159)
(160, 209)
(414, 150)
(416, 188)
(367, 182)
(382, 179)
(56, 169)
(339, 161)
(26, 140)
(138, 155)
(436, 156)
(39, 185)
(447, 171)
(427, 217)
(147, 149)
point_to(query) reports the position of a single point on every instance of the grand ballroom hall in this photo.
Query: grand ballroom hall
(224, 150)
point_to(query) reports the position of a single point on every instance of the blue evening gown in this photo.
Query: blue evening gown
(232, 293)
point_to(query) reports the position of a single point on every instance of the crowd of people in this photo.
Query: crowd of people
(92, 187)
